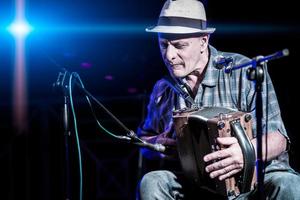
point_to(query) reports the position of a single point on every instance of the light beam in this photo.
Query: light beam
(20, 29)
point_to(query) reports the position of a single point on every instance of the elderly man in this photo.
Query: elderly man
(184, 44)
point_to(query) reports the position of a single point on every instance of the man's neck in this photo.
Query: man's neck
(195, 78)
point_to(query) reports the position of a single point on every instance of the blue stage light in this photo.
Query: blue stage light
(20, 28)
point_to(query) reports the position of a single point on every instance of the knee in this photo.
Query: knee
(287, 181)
(154, 185)
(287, 184)
(152, 180)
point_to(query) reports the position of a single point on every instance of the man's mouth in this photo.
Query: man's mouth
(176, 66)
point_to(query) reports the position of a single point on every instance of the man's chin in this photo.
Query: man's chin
(178, 73)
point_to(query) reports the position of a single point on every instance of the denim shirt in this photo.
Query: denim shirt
(218, 89)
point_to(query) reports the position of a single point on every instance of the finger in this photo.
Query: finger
(227, 141)
(227, 171)
(217, 155)
(219, 165)
(229, 174)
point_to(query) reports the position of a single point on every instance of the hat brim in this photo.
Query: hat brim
(178, 30)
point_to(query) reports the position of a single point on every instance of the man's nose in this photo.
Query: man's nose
(170, 53)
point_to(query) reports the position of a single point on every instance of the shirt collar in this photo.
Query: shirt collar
(211, 74)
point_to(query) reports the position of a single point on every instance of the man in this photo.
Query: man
(184, 44)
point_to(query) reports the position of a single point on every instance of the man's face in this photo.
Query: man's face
(183, 55)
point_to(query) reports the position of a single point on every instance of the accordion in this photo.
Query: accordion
(196, 132)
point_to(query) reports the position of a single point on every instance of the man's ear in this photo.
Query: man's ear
(204, 42)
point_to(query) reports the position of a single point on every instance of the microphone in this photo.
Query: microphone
(259, 60)
(156, 146)
(131, 136)
(220, 62)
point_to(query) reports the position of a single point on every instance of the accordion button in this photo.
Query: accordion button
(248, 117)
(220, 125)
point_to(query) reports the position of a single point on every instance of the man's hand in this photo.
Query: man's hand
(228, 161)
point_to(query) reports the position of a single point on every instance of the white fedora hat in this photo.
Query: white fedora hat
(181, 17)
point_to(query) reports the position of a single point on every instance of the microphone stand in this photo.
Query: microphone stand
(61, 82)
(256, 73)
(67, 136)
(131, 136)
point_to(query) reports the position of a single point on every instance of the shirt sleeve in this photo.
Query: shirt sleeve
(152, 123)
(159, 115)
(271, 119)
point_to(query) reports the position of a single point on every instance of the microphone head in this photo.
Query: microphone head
(285, 52)
(220, 61)
(159, 147)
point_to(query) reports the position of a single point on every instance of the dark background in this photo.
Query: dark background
(105, 42)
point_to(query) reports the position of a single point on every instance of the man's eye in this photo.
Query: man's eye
(180, 46)
(163, 46)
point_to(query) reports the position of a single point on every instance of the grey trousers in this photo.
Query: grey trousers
(163, 184)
